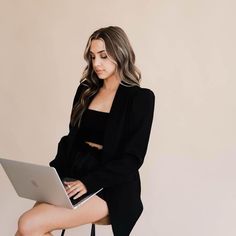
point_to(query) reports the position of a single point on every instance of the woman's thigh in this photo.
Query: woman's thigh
(44, 217)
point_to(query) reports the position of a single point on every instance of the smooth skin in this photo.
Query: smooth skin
(44, 218)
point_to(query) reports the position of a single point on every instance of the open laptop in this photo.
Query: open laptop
(40, 183)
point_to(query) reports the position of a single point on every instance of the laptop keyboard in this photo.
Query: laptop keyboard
(75, 201)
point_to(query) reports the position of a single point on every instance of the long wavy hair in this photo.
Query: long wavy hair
(119, 50)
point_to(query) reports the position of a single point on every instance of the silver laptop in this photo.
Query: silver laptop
(40, 183)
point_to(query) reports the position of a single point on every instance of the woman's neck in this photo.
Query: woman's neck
(111, 84)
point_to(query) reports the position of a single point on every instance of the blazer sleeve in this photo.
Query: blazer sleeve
(59, 162)
(127, 162)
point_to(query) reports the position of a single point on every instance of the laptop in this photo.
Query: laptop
(40, 183)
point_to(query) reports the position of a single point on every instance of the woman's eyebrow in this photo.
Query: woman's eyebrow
(97, 52)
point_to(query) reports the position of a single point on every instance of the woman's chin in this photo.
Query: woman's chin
(101, 77)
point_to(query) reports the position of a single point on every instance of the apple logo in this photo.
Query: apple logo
(34, 183)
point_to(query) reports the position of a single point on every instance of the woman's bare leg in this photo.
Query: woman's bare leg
(43, 218)
(18, 234)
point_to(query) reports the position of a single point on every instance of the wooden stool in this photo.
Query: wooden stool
(103, 221)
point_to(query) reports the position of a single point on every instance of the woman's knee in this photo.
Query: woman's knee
(27, 225)
(24, 226)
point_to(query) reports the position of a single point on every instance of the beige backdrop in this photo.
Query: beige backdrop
(186, 51)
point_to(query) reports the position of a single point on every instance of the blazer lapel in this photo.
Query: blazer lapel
(116, 119)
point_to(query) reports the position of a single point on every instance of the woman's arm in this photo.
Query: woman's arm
(59, 162)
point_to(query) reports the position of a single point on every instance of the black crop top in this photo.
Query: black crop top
(93, 125)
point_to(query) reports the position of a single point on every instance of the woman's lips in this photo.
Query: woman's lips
(99, 71)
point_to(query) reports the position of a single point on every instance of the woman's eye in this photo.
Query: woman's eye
(104, 56)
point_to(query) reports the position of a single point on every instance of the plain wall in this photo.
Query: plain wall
(186, 52)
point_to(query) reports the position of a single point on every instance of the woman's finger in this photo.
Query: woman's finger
(73, 190)
(79, 194)
(73, 193)
(73, 187)
(69, 184)
(69, 188)
(72, 183)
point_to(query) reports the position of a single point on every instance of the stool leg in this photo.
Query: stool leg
(93, 230)
(63, 232)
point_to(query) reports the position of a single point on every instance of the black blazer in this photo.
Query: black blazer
(124, 148)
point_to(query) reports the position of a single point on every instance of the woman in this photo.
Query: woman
(108, 136)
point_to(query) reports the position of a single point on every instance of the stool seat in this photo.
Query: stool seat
(103, 221)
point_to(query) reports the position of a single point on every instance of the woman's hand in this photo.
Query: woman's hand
(74, 187)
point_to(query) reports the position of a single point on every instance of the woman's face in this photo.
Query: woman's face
(103, 66)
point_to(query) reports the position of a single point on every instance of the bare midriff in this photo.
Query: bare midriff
(98, 146)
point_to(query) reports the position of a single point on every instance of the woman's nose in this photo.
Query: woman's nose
(96, 62)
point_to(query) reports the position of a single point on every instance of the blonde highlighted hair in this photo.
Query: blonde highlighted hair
(119, 49)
